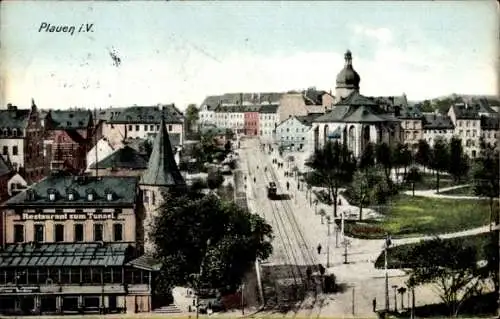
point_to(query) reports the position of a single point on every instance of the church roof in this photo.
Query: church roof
(348, 77)
(125, 157)
(356, 108)
(162, 168)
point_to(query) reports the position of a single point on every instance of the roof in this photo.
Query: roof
(4, 167)
(313, 96)
(123, 191)
(64, 254)
(145, 262)
(14, 118)
(108, 114)
(266, 109)
(467, 111)
(348, 77)
(490, 122)
(125, 157)
(68, 119)
(411, 112)
(308, 119)
(356, 108)
(437, 122)
(162, 168)
(149, 114)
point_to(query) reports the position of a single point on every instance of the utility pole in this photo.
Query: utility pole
(328, 243)
(353, 303)
(242, 300)
(386, 245)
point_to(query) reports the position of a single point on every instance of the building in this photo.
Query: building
(355, 120)
(437, 126)
(310, 101)
(100, 150)
(411, 123)
(268, 120)
(293, 133)
(251, 120)
(5, 176)
(70, 247)
(144, 122)
(68, 139)
(125, 161)
(20, 136)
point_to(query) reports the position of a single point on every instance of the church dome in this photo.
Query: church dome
(348, 78)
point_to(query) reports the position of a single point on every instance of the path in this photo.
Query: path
(432, 193)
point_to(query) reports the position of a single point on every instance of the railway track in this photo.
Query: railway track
(286, 277)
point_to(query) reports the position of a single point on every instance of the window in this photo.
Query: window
(170, 128)
(18, 233)
(137, 127)
(130, 127)
(38, 234)
(59, 233)
(5, 150)
(145, 128)
(78, 234)
(151, 127)
(98, 232)
(117, 232)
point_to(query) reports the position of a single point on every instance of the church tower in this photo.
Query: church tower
(347, 80)
(161, 175)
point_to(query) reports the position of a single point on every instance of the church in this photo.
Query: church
(355, 119)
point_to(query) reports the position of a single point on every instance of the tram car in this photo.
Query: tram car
(272, 190)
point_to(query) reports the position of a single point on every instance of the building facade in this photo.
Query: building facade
(294, 132)
(143, 122)
(251, 121)
(70, 247)
(68, 138)
(20, 135)
(268, 121)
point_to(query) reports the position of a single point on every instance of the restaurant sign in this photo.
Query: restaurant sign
(68, 216)
(5, 290)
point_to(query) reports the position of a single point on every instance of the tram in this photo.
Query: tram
(272, 190)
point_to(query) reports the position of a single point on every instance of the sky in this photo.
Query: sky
(181, 51)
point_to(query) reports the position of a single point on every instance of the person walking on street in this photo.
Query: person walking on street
(287, 186)
(374, 302)
(319, 249)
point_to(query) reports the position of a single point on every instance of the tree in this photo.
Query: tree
(367, 157)
(192, 116)
(385, 158)
(449, 266)
(458, 163)
(362, 188)
(334, 164)
(439, 159)
(413, 177)
(402, 158)
(184, 227)
(214, 180)
(423, 155)
(427, 106)
(486, 176)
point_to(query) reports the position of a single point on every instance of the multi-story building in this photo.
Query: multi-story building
(20, 136)
(490, 130)
(294, 132)
(232, 117)
(411, 123)
(268, 120)
(144, 122)
(251, 120)
(70, 247)
(437, 126)
(68, 138)
(467, 121)
(310, 101)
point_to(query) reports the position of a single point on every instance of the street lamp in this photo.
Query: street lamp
(395, 287)
(328, 222)
(386, 246)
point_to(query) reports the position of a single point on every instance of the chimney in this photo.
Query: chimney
(397, 111)
(241, 98)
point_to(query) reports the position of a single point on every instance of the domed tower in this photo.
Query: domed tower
(347, 80)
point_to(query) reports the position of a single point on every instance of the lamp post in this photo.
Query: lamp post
(328, 221)
(386, 245)
(395, 287)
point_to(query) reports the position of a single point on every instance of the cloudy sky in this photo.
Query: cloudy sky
(182, 51)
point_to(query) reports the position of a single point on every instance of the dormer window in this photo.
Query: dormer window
(30, 194)
(14, 132)
(71, 194)
(91, 195)
(52, 193)
(110, 195)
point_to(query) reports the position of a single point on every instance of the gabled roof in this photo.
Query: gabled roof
(411, 112)
(313, 96)
(14, 118)
(466, 111)
(356, 108)
(145, 262)
(266, 109)
(149, 114)
(4, 167)
(162, 168)
(125, 158)
(490, 122)
(308, 119)
(68, 119)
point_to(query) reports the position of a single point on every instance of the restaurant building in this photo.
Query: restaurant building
(71, 246)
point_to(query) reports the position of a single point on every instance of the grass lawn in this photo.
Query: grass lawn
(429, 182)
(407, 216)
(396, 259)
(462, 191)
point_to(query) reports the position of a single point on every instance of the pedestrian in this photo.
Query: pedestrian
(254, 180)
(287, 186)
(298, 186)
(309, 272)
(374, 302)
(340, 202)
(319, 249)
